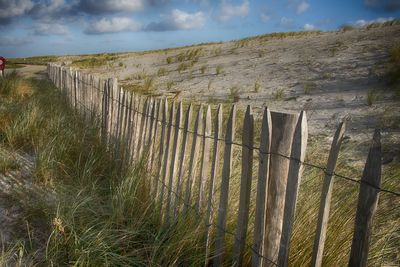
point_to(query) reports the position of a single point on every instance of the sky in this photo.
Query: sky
(67, 27)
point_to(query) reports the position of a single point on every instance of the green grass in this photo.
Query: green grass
(257, 86)
(9, 82)
(104, 215)
(162, 72)
(278, 94)
(218, 70)
(394, 70)
(372, 97)
(309, 86)
(234, 94)
(182, 67)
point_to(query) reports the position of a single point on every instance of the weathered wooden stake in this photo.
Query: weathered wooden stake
(223, 202)
(245, 187)
(367, 204)
(326, 195)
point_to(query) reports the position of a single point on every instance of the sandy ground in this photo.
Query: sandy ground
(31, 71)
(329, 75)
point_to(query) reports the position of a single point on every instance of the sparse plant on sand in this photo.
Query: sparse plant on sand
(170, 84)
(148, 83)
(170, 60)
(162, 72)
(140, 75)
(210, 82)
(261, 53)
(203, 69)
(309, 86)
(182, 67)
(278, 94)
(372, 97)
(217, 51)
(218, 70)
(257, 86)
(234, 94)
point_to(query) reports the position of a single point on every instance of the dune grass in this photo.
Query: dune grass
(104, 215)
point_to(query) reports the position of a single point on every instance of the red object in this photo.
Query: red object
(2, 63)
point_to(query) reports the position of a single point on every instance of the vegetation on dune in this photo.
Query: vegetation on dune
(394, 69)
(102, 214)
(34, 60)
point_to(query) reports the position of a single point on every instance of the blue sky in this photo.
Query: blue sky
(60, 27)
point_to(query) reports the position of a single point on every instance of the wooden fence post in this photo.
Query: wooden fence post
(158, 174)
(297, 156)
(166, 158)
(223, 202)
(179, 182)
(204, 158)
(262, 187)
(142, 130)
(245, 187)
(367, 204)
(284, 125)
(193, 160)
(172, 171)
(211, 191)
(153, 146)
(326, 195)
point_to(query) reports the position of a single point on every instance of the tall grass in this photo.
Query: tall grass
(102, 215)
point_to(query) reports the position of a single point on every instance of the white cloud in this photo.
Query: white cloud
(187, 21)
(309, 27)
(265, 17)
(286, 22)
(302, 7)
(362, 22)
(228, 11)
(14, 8)
(117, 24)
(178, 20)
(50, 29)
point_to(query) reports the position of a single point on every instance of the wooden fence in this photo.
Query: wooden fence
(192, 167)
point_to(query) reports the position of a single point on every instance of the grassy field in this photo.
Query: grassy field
(101, 215)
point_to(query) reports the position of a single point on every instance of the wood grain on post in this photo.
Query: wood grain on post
(326, 195)
(147, 129)
(136, 124)
(126, 125)
(166, 160)
(245, 188)
(154, 141)
(297, 156)
(179, 181)
(205, 155)
(141, 130)
(130, 126)
(211, 191)
(223, 201)
(150, 140)
(161, 152)
(284, 125)
(262, 187)
(172, 170)
(193, 160)
(367, 204)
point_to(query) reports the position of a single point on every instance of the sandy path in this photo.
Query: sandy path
(31, 71)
